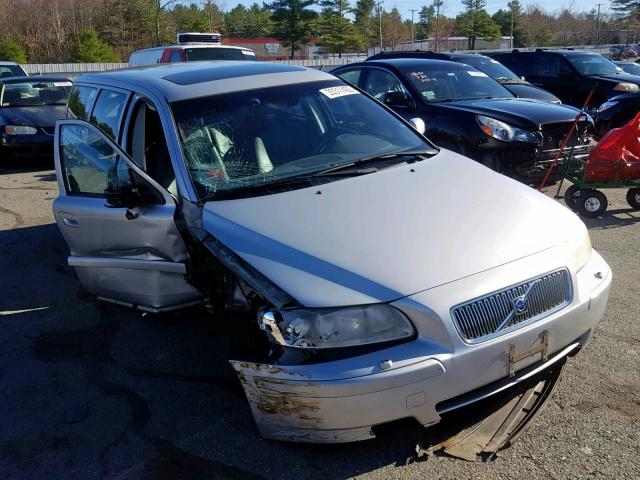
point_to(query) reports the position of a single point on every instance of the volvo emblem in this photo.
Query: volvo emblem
(520, 305)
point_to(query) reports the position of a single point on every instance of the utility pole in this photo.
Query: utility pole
(413, 28)
(598, 26)
(512, 22)
(379, 8)
(437, 4)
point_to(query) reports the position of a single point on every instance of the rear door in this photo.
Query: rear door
(117, 221)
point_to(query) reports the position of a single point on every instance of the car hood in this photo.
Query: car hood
(43, 116)
(522, 112)
(526, 90)
(389, 234)
(618, 77)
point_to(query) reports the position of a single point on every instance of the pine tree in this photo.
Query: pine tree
(292, 19)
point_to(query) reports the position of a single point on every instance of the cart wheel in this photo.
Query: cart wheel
(633, 198)
(592, 203)
(571, 197)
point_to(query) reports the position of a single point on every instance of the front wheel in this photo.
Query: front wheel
(633, 198)
(571, 197)
(592, 203)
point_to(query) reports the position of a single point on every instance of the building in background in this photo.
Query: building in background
(267, 48)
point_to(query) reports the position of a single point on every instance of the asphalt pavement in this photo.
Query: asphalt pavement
(89, 390)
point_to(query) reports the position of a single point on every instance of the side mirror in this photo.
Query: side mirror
(123, 196)
(397, 99)
(418, 124)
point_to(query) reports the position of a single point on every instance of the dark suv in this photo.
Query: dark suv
(509, 80)
(571, 74)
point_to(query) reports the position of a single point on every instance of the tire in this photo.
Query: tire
(592, 203)
(571, 197)
(633, 198)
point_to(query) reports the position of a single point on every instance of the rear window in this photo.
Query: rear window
(218, 53)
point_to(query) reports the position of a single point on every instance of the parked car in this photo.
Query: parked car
(191, 47)
(616, 112)
(620, 52)
(470, 113)
(571, 74)
(629, 67)
(11, 69)
(516, 85)
(385, 279)
(29, 108)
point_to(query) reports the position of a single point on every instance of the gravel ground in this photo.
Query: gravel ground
(95, 391)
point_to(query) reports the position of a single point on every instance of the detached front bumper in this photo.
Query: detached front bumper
(341, 401)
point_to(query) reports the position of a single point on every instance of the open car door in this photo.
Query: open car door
(118, 223)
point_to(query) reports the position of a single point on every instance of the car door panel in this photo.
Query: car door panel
(133, 255)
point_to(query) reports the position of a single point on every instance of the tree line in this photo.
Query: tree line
(42, 31)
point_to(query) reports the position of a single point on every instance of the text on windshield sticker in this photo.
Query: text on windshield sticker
(335, 92)
(476, 74)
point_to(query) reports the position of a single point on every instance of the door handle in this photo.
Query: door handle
(70, 222)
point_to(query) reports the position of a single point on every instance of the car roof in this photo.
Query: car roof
(192, 45)
(181, 81)
(4, 62)
(559, 51)
(408, 62)
(34, 78)
(427, 54)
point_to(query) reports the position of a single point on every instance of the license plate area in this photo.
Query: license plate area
(515, 357)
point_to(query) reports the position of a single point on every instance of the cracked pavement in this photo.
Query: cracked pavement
(89, 390)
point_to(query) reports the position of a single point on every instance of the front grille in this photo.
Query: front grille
(495, 314)
(553, 134)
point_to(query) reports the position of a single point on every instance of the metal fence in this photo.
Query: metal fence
(72, 70)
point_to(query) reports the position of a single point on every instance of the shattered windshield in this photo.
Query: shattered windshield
(252, 138)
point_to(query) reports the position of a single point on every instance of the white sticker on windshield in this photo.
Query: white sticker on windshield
(429, 95)
(62, 84)
(476, 74)
(249, 52)
(335, 92)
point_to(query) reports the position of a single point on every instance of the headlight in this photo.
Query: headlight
(580, 247)
(505, 132)
(20, 130)
(336, 328)
(626, 87)
(606, 106)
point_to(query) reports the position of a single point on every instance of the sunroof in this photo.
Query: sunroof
(240, 69)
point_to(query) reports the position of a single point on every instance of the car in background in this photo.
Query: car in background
(368, 276)
(571, 74)
(11, 69)
(29, 109)
(191, 47)
(616, 112)
(629, 67)
(622, 52)
(516, 85)
(470, 113)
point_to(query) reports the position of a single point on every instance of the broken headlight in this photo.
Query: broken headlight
(336, 328)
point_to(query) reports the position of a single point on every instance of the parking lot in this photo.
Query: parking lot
(97, 391)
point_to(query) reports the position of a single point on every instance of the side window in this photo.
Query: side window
(380, 82)
(175, 57)
(89, 164)
(108, 111)
(548, 65)
(351, 76)
(80, 102)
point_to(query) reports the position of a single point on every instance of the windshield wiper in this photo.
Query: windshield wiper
(264, 187)
(350, 168)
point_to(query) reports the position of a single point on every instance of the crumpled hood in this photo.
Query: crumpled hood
(389, 234)
(42, 116)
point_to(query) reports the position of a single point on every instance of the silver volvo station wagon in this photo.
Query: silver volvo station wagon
(385, 278)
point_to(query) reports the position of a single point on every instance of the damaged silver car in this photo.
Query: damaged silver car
(386, 278)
